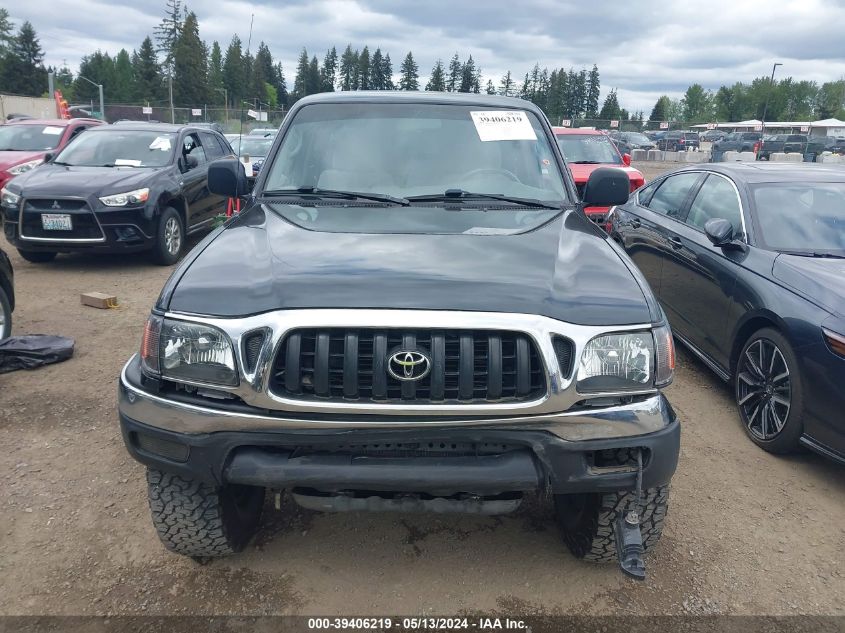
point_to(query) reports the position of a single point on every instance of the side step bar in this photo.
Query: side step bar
(486, 475)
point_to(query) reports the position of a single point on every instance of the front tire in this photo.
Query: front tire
(170, 238)
(768, 392)
(196, 519)
(5, 315)
(38, 257)
(587, 520)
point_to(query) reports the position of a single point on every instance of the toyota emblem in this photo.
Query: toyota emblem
(407, 365)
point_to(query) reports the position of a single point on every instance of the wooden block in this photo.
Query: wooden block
(98, 300)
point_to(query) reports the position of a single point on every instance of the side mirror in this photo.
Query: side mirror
(626, 158)
(720, 232)
(226, 177)
(606, 187)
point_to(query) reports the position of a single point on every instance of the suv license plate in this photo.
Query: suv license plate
(56, 222)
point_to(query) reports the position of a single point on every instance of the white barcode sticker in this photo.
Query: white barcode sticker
(503, 125)
(52, 130)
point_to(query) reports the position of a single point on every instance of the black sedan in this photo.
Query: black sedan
(117, 188)
(748, 261)
(7, 295)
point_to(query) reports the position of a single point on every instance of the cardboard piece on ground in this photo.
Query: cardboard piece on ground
(98, 300)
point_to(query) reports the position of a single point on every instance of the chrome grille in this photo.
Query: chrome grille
(467, 366)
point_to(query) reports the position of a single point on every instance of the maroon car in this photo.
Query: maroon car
(25, 142)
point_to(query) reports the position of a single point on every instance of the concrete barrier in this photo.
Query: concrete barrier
(671, 157)
(655, 154)
(639, 154)
(695, 157)
(743, 157)
(791, 157)
(831, 159)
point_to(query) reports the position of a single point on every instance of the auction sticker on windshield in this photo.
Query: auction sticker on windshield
(503, 125)
(52, 130)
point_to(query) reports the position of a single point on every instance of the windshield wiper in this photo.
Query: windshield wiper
(585, 162)
(333, 193)
(460, 194)
(815, 254)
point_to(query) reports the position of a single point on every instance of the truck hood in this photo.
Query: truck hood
(581, 173)
(564, 270)
(12, 158)
(820, 280)
(59, 180)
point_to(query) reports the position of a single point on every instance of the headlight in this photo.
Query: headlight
(617, 362)
(17, 170)
(9, 198)
(130, 197)
(190, 352)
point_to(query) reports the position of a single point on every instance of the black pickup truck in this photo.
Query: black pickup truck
(782, 143)
(412, 312)
(736, 142)
(117, 188)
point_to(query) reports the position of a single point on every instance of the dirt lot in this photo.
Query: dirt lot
(747, 533)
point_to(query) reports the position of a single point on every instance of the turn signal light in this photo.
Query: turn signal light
(836, 342)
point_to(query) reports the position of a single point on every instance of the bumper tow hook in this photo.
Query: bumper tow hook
(629, 538)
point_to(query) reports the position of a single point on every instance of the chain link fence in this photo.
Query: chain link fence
(229, 119)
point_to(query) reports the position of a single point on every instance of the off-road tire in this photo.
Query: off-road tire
(6, 314)
(38, 257)
(162, 253)
(587, 521)
(196, 519)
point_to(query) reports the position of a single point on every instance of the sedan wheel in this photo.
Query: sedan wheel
(768, 392)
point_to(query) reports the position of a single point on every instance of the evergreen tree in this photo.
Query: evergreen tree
(7, 30)
(167, 33)
(542, 93)
(387, 72)
(593, 91)
(190, 65)
(121, 91)
(215, 74)
(572, 105)
(507, 85)
(99, 68)
(697, 104)
(490, 89)
(148, 83)
(300, 83)
(409, 74)
(281, 85)
(437, 79)
(660, 111)
(579, 90)
(364, 69)
(377, 79)
(64, 82)
(453, 81)
(234, 77)
(553, 105)
(610, 110)
(348, 69)
(23, 66)
(329, 70)
(314, 82)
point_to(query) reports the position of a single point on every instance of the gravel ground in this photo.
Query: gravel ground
(747, 532)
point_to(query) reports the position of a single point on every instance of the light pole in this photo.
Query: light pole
(100, 86)
(226, 101)
(768, 95)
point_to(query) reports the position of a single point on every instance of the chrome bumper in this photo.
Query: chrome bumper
(647, 414)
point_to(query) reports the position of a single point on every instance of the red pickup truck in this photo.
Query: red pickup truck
(587, 150)
(25, 142)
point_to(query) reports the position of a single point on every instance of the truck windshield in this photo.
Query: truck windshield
(119, 148)
(588, 148)
(29, 137)
(416, 149)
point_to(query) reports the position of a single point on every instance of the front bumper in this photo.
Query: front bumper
(114, 230)
(558, 452)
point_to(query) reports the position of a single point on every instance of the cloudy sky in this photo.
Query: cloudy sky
(644, 48)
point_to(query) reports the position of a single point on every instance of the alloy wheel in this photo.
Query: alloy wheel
(764, 389)
(172, 236)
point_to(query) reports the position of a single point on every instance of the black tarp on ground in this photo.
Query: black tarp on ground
(33, 350)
